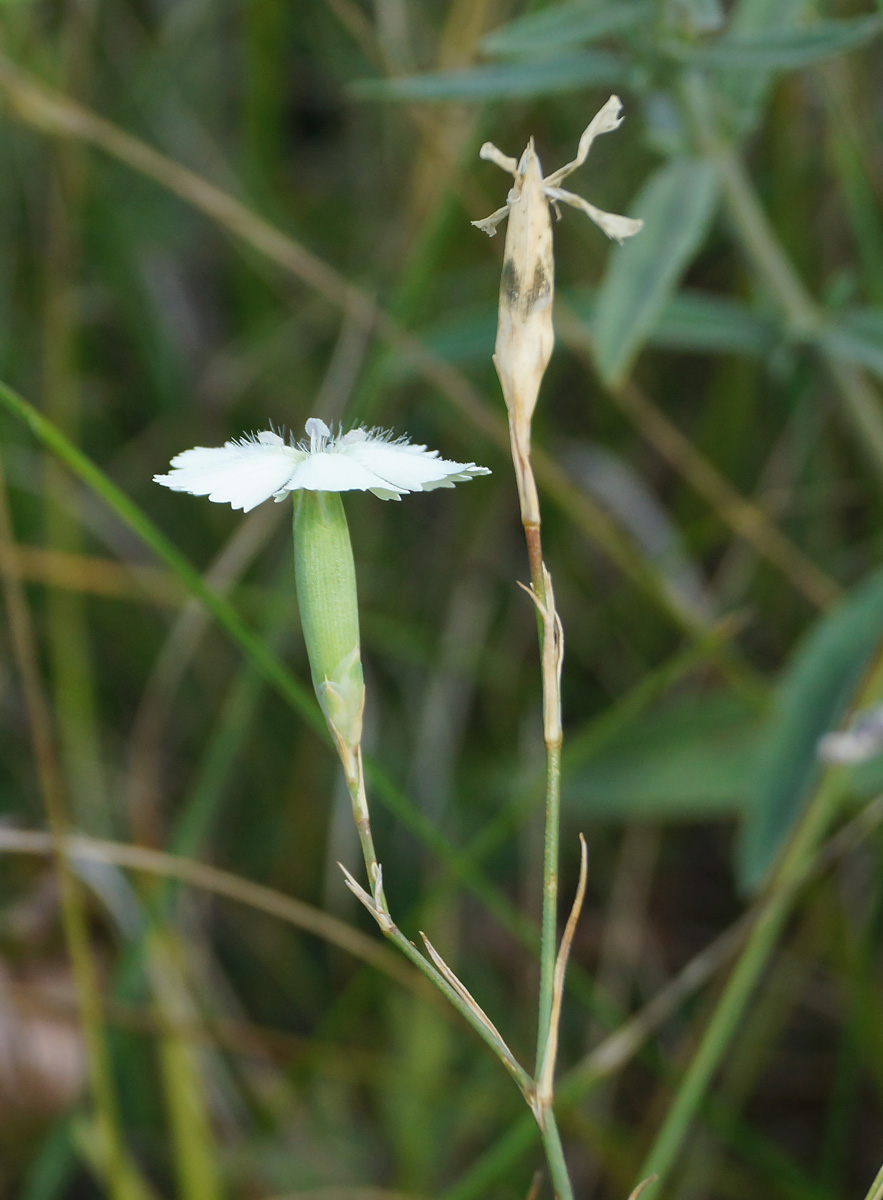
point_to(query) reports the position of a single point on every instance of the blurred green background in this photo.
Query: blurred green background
(216, 216)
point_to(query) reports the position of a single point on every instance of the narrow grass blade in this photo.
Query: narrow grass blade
(812, 699)
(677, 205)
(562, 26)
(788, 49)
(132, 516)
(539, 77)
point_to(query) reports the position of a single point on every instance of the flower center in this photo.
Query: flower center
(318, 433)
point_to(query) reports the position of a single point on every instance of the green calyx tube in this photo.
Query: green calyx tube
(326, 595)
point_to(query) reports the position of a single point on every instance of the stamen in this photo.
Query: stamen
(318, 433)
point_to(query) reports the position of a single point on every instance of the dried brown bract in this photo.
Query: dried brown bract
(524, 332)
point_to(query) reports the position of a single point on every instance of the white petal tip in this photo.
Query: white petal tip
(861, 741)
(625, 227)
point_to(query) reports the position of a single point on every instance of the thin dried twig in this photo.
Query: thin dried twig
(533, 1191)
(224, 883)
(461, 989)
(553, 657)
(645, 1183)
(373, 901)
(546, 1079)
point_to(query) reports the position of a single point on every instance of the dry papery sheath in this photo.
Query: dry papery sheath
(524, 331)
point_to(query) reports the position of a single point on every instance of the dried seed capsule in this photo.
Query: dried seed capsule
(524, 330)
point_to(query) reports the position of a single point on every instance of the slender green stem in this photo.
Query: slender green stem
(555, 1157)
(717, 1037)
(362, 819)
(619, 1047)
(497, 1045)
(549, 928)
(377, 905)
(875, 1191)
(328, 602)
(520, 407)
(530, 516)
(551, 655)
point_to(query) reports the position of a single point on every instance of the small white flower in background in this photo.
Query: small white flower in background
(614, 226)
(248, 470)
(862, 740)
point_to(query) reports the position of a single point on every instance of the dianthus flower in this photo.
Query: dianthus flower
(248, 470)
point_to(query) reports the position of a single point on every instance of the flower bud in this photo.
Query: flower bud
(326, 595)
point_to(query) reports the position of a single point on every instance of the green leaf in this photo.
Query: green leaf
(811, 699)
(745, 93)
(787, 49)
(622, 491)
(698, 322)
(563, 26)
(545, 77)
(52, 1164)
(702, 16)
(857, 336)
(690, 321)
(677, 205)
(686, 762)
(710, 324)
(464, 336)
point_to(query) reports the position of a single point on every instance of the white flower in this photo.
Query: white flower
(859, 742)
(248, 470)
(614, 226)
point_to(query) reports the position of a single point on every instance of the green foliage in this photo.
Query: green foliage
(787, 49)
(676, 205)
(857, 336)
(241, 238)
(813, 696)
(561, 26)
(538, 77)
(686, 763)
